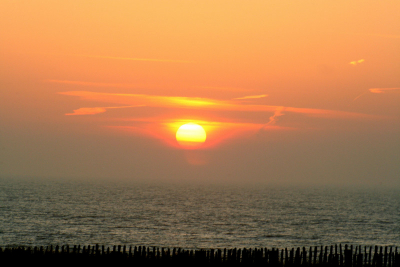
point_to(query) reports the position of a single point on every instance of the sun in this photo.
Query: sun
(191, 135)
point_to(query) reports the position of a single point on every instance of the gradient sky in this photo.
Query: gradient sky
(304, 92)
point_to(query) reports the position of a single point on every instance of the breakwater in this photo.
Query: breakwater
(337, 255)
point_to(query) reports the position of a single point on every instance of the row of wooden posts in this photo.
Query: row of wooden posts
(347, 256)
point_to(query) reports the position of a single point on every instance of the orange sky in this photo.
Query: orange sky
(288, 91)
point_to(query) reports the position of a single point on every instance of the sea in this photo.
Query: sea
(43, 212)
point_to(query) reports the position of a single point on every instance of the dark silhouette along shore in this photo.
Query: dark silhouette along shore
(347, 256)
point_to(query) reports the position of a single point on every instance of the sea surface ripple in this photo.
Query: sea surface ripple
(45, 212)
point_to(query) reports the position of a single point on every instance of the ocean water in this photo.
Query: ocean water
(45, 212)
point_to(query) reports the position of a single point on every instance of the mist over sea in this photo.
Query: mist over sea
(45, 212)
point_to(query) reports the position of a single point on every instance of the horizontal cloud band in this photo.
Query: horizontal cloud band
(202, 103)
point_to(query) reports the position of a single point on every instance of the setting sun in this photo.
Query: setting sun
(191, 135)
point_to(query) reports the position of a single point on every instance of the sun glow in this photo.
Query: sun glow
(191, 135)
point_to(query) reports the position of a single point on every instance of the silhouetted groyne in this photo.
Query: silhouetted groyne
(346, 256)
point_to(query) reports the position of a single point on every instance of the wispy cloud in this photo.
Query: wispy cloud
(204, 104)
(95, 110)
(173, 111)
(378, 91)
(359, 96)
(222, 88)
(96, 84)
(355, 62)
(87, 111)
(252, 97)
(278, 112)
(139, 59)
(382, 90)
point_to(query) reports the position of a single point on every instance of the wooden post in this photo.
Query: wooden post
(370, 256)
(326, 255)
(315, 255)
(297, 259)
(374, 259)
(286, 258)
(355, 259)
(336, 259)
(291, 259)
(249, 253)
(386, 257)
(321, 255)
(224, 257)
(360, 259)
(347, 256)
(341, 255)
(273, 257)
(380, 259)
(396, 261)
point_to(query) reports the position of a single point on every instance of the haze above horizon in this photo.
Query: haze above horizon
(287, 92)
